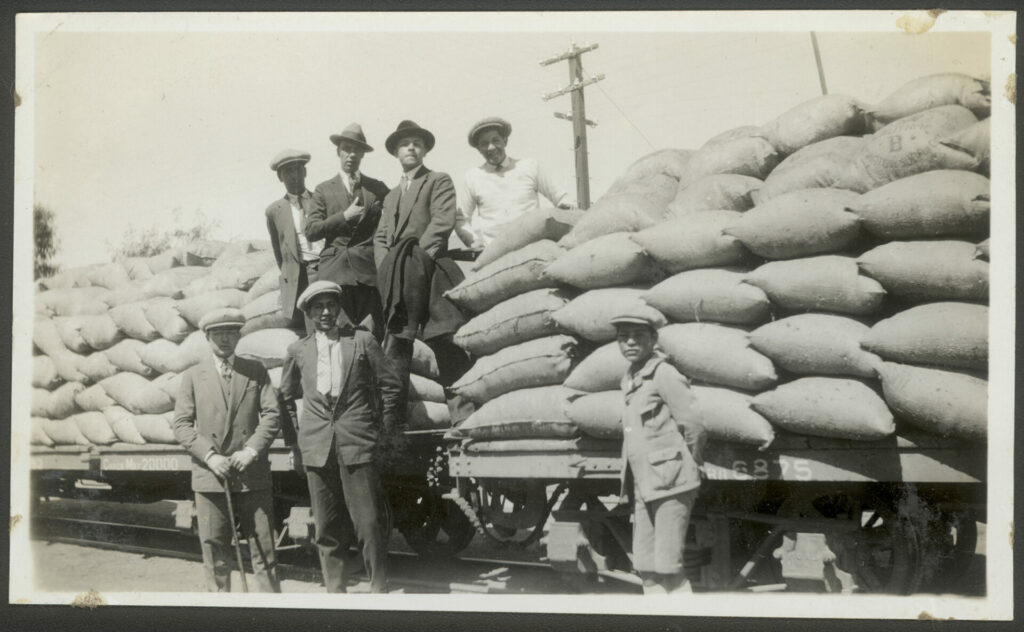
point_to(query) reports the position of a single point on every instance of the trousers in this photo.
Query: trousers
(659, 532)
(255, 512)
(337, 492)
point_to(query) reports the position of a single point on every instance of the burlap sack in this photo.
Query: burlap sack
(974, 139)
(711, 295)
(122, 423)
(56, 404)
(615, 214)
(69, 366)
(269, 303)
(46, 338)
(93, 398)
(923, 93)
(728, 416)
(427, 416)
(947, 335)
(126, 356)
(601, 370)
(694, 241)
(203, 252)
(44, 373)
(137, 394)
(100, 332)
(942, 402)
(817, 344)
(520, 318)
(531, 413)
(606, 261)
(173, 281)
(96, 366)
(193, 309)
(166, 319)
(131, 319)
(64, 432)
(424, 362)
(750, 156)
(69, 330)
(827, 283)
(588, 314)
(268, 282)
(723, 191)
(94, 427)
(513, 274)
(928, 270)
(532, 226)
(717, 355)
(425, 389)
(815, 120)
(267, 346)
(597, 414)
(734, 133)
(110, 275)
(37, 434)
(827, 407)
(541, 362)
(798, 224)
(818, 165)
(273, 320)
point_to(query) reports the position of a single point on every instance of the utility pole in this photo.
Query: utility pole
(817, 60)
(578, 116)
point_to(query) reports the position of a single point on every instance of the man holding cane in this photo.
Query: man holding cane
(226, 416)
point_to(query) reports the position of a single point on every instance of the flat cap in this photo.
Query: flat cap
(286, 156)
(491, 122)
(222, 318)
(315, 288)
(640, 314)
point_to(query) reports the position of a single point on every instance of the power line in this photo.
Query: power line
(638, 131)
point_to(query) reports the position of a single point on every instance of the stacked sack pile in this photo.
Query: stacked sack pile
(111, 341)
(824, 274)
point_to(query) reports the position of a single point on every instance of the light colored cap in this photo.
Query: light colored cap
(286, 156)
(491, 122)
(315, 288)
(222, 318)
(640, 314)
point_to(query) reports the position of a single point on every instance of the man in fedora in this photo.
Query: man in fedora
(350, 395)
(226, 416)
(346, 211)
(410, 248)
(501, 189)
(297, 256)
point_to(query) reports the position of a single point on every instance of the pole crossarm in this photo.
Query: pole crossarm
(575, 51)
(568, 117)
(576, 85)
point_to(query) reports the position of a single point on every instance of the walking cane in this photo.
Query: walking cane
(226, 483)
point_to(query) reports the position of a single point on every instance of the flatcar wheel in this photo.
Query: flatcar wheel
(435, 527)
(513, 512)
(886, 554)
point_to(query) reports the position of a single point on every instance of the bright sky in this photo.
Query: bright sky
(147, 129)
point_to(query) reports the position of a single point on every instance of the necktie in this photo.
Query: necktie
(225, 371)
(302, 214)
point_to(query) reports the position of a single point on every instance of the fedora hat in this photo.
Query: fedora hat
(408, 128)
(354, 134)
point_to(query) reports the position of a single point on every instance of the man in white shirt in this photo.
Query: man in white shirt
(297, 257)
(350, 396)
(501, 189)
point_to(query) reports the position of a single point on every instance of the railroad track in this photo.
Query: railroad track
(408, 571)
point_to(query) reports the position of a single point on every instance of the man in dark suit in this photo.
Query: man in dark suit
(346, 211)
(349, 396)
(410, 249)
(226, 416)
(297, 256)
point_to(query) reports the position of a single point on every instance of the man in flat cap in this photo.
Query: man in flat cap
(501, 189)
(413, 269)
(663, 440)
(297, 255)
(350, 395)
(226, 416)
(346, 211)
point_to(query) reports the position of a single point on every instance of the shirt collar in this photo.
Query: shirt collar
(296, 198)
(230, 361)
(412, 173)
(505, 164)
(650, 366)
(322, 337)
(350, 178)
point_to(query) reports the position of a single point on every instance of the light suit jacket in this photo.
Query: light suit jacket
(663, 460)
(206, 415)
(285, 243)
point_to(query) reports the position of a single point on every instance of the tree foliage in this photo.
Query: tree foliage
(44, 231)
(153, 241)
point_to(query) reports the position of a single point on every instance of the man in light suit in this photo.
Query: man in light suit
(410, 249)
(287, 218)
(226, 416)
(350, 395)
(346, 212)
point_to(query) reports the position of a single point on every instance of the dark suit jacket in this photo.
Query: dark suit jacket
(285, 243)
(206, 417)
(369, 399)
(347, 257)
(426, 211)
